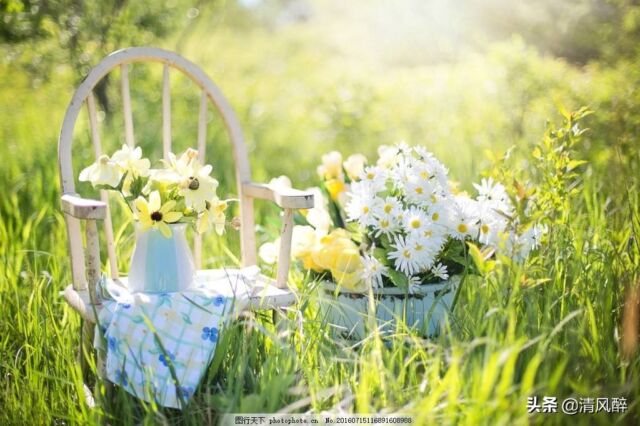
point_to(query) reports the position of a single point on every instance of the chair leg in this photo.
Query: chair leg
(279, 320)
(86, 347)
(84, 351)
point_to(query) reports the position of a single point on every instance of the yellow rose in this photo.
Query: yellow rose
(338, 254)
(303, 243)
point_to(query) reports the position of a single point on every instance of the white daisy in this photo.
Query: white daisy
(384, 225)
(494, 194)
(374, 271)
(361, 207)
(415, 220)
(389, 207)
(530, 240)
(413, 285)
(387, 156)
(440, 212)
(418, 190)
(434, 236)
(440, 271)
(423, 250)
(490, 226)
(404, 256)
(465, 218)
(374, 177)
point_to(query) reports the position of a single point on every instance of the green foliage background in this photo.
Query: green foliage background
(309, 77)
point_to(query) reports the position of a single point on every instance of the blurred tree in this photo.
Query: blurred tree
(39, 33)
(578, 30)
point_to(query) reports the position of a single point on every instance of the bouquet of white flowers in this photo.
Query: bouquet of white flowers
(399, 222)
(181, 191)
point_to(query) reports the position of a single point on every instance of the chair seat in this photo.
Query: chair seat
(264, 295)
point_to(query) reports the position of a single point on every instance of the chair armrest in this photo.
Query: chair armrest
(83, 208)
(287, 198)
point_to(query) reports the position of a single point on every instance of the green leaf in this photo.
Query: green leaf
(399, 279)
(480, 258)
(574, 163)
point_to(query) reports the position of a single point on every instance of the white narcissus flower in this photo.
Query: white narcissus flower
(354, 165)
(132, 165)
(319, 200)
(178, 170)
(200, 189)
(102, 172)
(303, 240)
(268, 251)
(131, 161)
(331, 167)
(213, 216)
(320, 220)
(281, 182)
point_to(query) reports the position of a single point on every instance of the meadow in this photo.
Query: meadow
(562, 324)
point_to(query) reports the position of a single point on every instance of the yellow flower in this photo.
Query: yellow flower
(335, 188)
(304, 242)
(340, 255)
(214, 215)
(153, 215)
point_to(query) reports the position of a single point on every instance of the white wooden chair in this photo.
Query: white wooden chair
(85, 259)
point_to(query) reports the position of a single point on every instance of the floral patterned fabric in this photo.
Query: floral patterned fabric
(158, 345)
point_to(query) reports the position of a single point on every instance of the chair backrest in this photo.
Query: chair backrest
(210, 92)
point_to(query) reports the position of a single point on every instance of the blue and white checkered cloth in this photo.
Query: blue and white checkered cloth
(159, 345)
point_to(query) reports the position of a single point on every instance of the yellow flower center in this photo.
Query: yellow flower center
(415, 223)
(419, 190)
(419, 247)
(365, 209)
(370, 175)
(435, 216)
(424, 175)
(463, 228)
(384, 223)
(428, 233)
(406, 253)
(484, 228)
(433, 198)
(388, 207)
